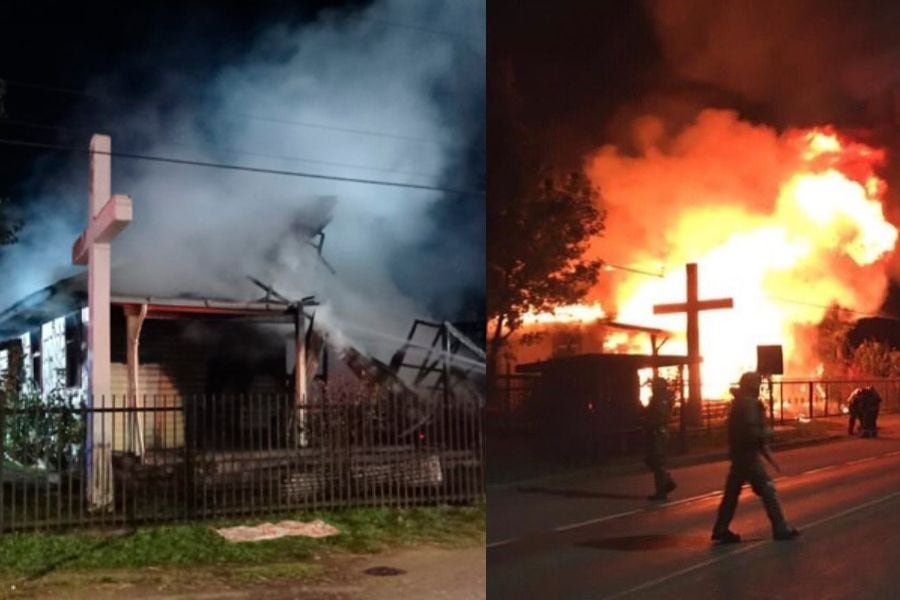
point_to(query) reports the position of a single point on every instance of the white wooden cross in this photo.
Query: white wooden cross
(107, 216)
(692, 307)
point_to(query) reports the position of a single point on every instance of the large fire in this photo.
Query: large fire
(786, 224)
(572, 313)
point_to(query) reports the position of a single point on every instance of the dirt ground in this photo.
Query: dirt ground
(428, 573)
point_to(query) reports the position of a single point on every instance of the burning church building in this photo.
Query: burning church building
(787, 226)
(820, 241)
(241, 390)
(769, 165)
(209, 343)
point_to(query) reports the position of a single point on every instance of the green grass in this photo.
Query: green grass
(32, 555)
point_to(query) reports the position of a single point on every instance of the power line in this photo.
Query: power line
(30, 124)
(610, 267)
(829, 307)
(197, 163)
(52, 88)
(316, 161)
(280, 121)
(382, 134)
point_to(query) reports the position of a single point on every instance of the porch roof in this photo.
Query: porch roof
(70, 294)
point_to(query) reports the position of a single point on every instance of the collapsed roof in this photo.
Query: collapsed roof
(440, 363)
(70, 294)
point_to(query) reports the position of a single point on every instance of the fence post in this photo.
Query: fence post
(810, 384)
(509, 409)
(682, 425)
(706, 409)
(781, 397)
(189, 431)
(2, 458)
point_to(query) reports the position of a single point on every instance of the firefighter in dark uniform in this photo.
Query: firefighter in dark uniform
(656, 426)
(871, 402)
(747, 436)
(854, 409)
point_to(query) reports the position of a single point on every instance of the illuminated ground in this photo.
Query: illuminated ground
(596, 537)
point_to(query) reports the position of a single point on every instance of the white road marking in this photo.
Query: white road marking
(502, 542)
(697, 498)
(819, 470)
(748, 547)
(852, 510)
(692, 499)
(598, 520)
(644, 586)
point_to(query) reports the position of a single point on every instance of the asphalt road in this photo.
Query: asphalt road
(598, 537)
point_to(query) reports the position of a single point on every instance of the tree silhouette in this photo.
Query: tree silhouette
(539, 223)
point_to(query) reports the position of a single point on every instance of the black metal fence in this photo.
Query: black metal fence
(509, 402)
(792, 400)
(122, 460)
(811, 399)
(787, 400)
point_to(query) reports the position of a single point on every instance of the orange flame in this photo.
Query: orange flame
(783, 224)
(574, 313)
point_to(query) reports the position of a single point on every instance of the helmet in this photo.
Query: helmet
(659, 385)
(750, 382)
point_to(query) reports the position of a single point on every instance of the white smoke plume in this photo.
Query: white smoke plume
(413, 71)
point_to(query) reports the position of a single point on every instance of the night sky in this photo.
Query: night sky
(53, 51)
(571, 68)
(71, 70)
(580, 73)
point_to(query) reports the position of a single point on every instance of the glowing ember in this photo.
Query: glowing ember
(575, 313)
(620, 342)
(645, 376)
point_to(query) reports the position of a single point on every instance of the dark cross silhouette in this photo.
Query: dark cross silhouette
(692, 307)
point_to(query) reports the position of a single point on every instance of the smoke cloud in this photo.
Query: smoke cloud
(202, 231)
(798, 62)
